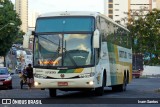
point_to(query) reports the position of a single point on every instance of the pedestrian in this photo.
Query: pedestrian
(29, 70)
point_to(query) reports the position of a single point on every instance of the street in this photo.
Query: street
(139, 88)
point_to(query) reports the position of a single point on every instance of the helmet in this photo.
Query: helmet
(29, 65)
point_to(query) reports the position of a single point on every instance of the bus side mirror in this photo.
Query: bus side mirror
(96, 39)
(33, 32)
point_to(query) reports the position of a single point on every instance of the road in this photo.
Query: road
(139, 88)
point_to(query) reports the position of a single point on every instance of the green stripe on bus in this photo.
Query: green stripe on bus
(78, 70)
(66, 71)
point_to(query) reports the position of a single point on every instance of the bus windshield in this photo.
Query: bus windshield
(65, 24)
(63, 50)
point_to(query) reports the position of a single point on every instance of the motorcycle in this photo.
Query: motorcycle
(24, 80)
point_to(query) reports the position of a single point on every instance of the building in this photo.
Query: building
(158, 4)
(32, 18)
(21, 7)
(117, 9)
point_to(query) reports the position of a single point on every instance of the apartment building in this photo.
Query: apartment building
(32, 19)
(21, 7)
(158, 4)
(117, 9)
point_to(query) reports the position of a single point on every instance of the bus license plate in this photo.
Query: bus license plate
(62, 83)
(1, 83)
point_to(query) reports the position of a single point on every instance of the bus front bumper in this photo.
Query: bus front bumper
(64, 83)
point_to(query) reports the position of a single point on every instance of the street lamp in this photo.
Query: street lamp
(12, 24)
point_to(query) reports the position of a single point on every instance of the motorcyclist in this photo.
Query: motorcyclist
(29, 70)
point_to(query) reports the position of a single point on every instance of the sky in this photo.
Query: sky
(45, 6)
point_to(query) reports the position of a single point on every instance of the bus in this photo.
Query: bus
(76, 50)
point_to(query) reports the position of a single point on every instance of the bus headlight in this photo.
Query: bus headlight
(91, 83)
(40, 76)
(87, 75)
(35, 83)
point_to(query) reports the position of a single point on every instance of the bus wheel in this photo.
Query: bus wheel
(100, 90)
(115, 88)
(123, 86)
(52, 92)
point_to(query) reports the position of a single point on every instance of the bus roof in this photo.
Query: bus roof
(80, 13)
(70, 13)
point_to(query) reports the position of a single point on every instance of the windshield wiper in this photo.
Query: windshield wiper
(72, 60)
(60, 51)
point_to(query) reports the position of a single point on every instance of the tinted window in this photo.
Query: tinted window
(69, 50)
(110, 11)
(110, 6)
(113, 33)
(3, 71)
(65, 24)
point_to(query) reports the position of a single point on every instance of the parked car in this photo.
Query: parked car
(5, 78)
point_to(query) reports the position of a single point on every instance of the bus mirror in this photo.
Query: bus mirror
(33, 32)
(96, 39)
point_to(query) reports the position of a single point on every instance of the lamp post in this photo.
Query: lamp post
(12, 24)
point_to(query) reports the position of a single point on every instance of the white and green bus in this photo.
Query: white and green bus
(81, 50)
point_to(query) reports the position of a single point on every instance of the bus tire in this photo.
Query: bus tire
(52, 92)
(100, 90)
(128, 77)
(115, 88)
(123, 86)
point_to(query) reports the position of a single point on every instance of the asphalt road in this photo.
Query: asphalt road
(147, 88)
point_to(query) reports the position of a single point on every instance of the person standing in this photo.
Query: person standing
(29, 70)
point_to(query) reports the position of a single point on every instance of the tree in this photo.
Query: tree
(153, 36)
(145, 33)
(9, 33)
